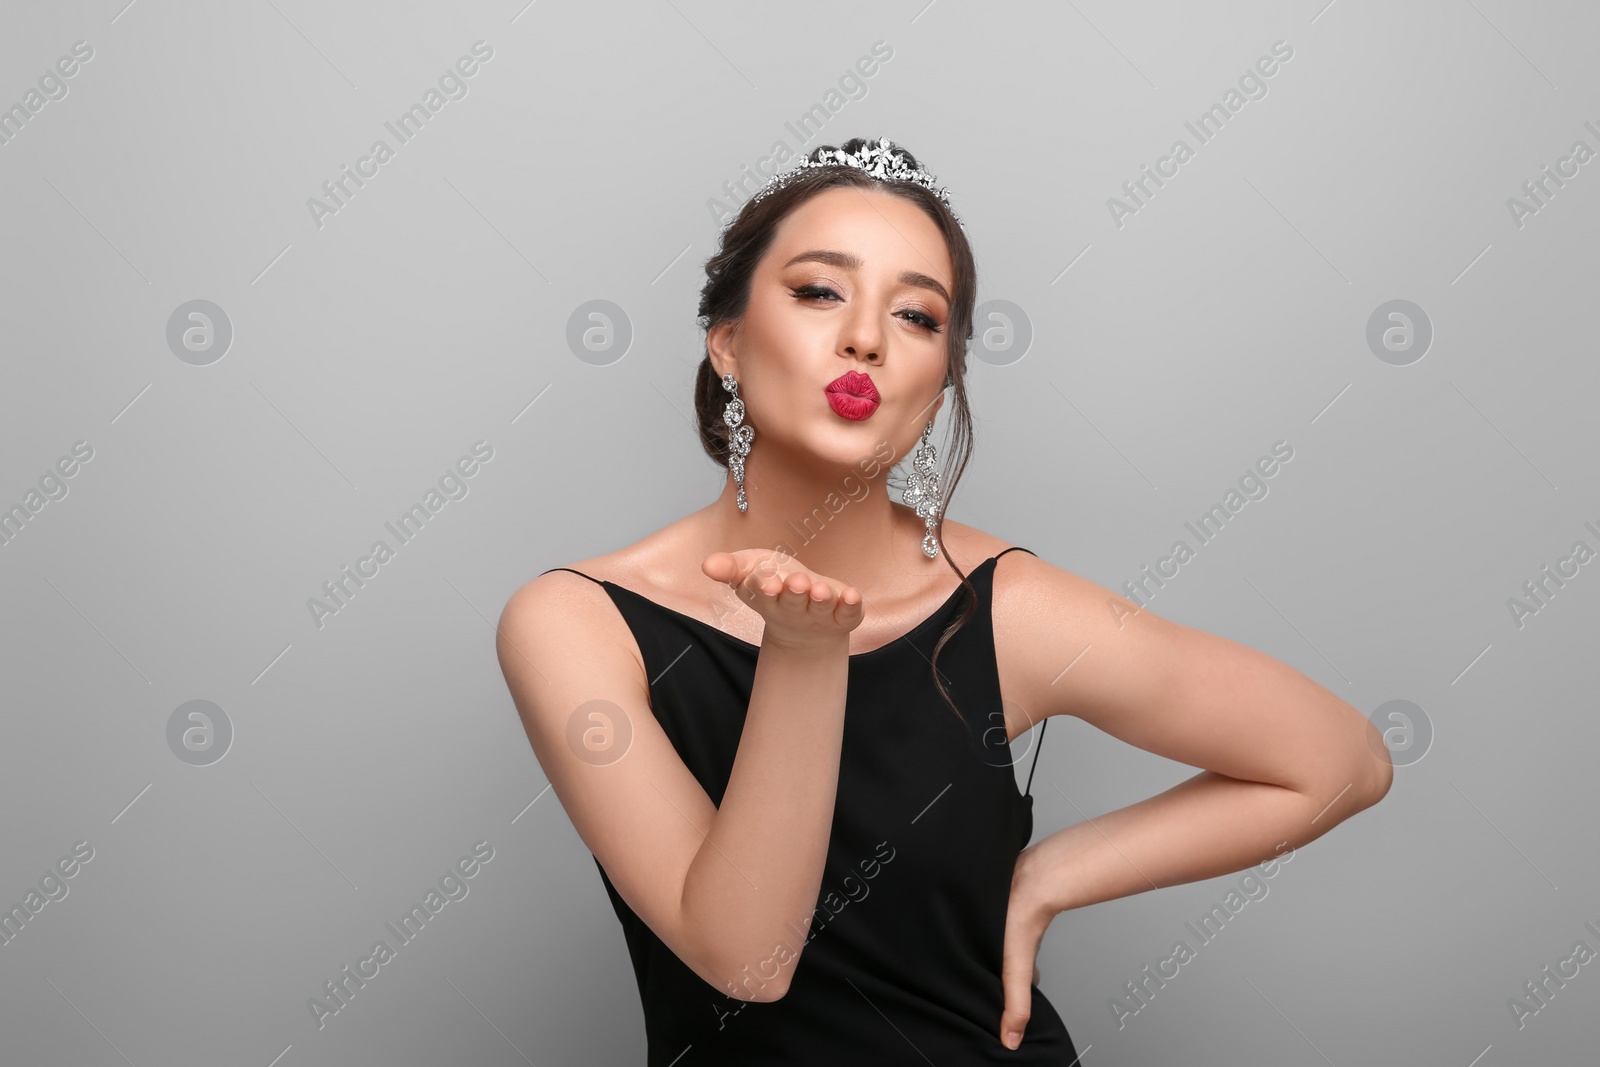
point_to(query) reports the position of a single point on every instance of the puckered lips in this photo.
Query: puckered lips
(853, 396)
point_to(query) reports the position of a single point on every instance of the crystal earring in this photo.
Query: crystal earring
(922, 489)
(739, 437)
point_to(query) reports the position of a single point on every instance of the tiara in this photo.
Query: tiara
(883, 161)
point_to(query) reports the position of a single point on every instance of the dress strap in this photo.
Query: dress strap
(1027, 792)
(569, 570)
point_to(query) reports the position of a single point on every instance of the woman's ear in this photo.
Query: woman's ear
(719, 349)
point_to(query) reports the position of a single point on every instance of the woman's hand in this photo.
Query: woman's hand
(1027, 918)
(803, 610)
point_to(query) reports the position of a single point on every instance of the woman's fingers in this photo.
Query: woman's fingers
(795, 592)
(848, 608)
(720, 567)
(796, 602)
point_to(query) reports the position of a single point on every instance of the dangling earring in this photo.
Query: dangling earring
(922, 489)
(739, 437)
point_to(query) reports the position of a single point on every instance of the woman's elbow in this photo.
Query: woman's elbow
(760, 982)
(1347, 787)
(1382, 778)
(1376, 767)
(748, 985)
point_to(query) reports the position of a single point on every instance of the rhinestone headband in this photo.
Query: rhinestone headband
(882, 161)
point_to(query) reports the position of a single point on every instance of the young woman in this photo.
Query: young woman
(781, 723)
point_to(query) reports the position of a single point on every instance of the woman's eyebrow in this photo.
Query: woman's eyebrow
(851, 261)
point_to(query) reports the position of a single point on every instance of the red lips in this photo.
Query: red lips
(853, 396)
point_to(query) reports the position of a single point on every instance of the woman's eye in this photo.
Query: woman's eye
(811, 292)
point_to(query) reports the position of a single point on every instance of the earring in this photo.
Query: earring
(739, 437)
(922, 489)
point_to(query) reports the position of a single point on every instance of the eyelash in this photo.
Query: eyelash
(816, 292)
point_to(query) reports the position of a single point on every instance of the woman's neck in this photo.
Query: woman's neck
(845, 527)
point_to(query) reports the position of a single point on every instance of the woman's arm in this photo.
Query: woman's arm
(1284, 759)
(721, 888)
(775, 821)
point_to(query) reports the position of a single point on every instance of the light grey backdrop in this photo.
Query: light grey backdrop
(1136, 362)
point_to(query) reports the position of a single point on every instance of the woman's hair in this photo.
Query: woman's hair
(726, 295)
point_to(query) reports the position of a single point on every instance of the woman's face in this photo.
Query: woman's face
(855, 280)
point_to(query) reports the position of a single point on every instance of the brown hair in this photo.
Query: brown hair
(726, 294)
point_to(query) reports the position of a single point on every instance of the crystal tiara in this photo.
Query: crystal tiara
(883, 161)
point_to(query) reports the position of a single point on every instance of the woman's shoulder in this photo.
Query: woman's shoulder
(637, 566)
(557, 609)
(969, 546)
(1026, 586)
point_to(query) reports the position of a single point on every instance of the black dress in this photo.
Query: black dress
(901, 963)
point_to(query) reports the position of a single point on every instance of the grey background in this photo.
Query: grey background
(431, 311)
